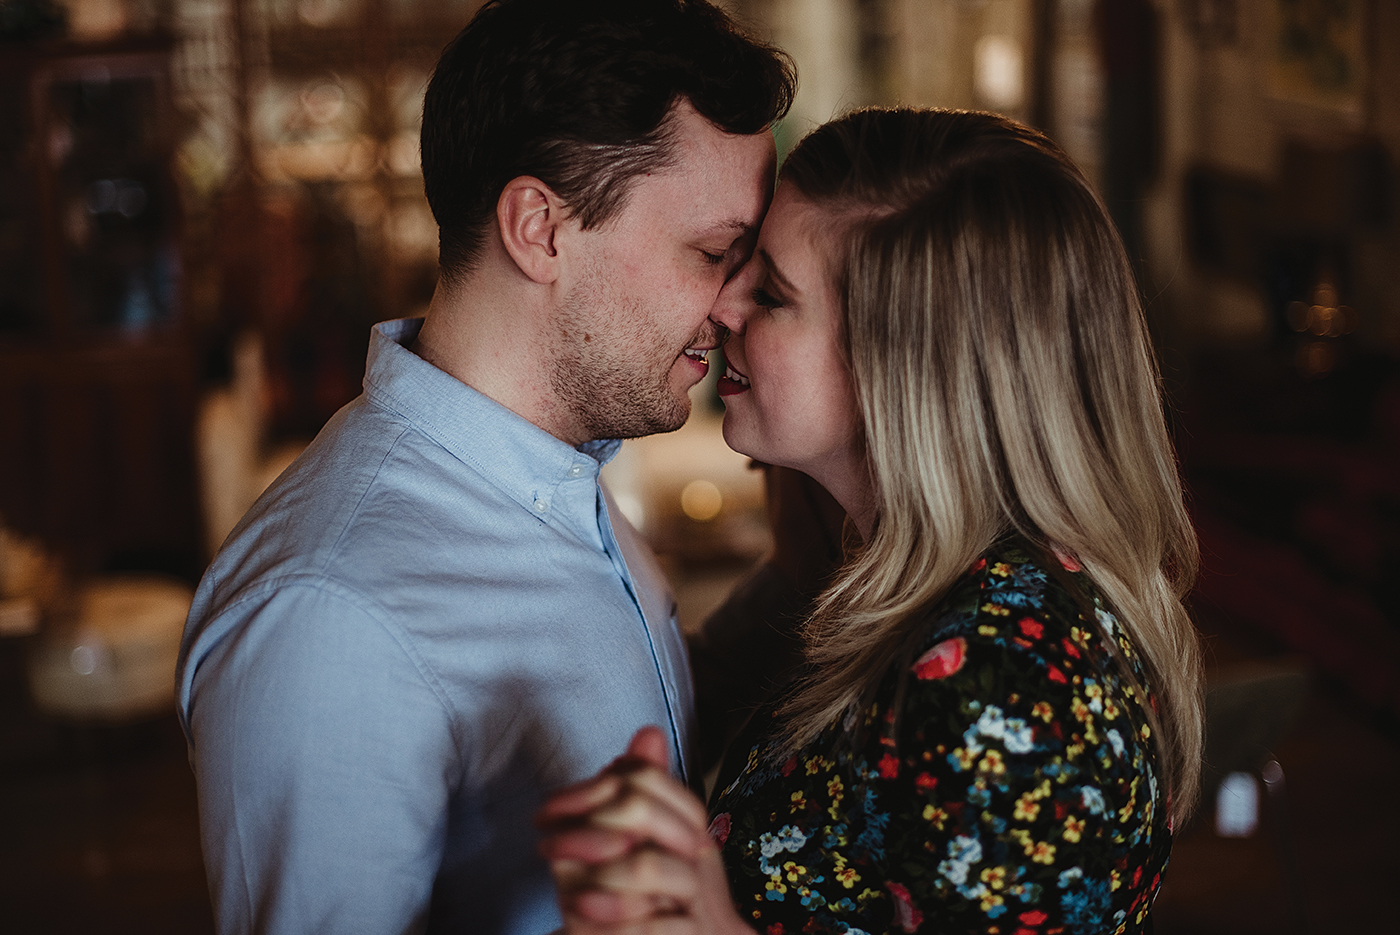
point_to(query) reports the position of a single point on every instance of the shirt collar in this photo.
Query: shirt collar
(546, 476)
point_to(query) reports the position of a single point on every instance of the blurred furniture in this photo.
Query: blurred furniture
(112, 661)
(1249, 709)
(96, 371)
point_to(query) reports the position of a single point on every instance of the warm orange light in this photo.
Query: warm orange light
(701, 500)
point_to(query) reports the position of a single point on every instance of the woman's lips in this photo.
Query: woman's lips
(732, 382)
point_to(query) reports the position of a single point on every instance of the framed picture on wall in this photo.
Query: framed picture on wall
(1314, 54)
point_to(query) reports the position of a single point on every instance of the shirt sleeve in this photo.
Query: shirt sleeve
(1001, 791)
(324, 759)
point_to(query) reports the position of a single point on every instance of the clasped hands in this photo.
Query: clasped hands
(631, 852)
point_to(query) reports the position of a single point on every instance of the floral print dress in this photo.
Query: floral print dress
(1013, 791)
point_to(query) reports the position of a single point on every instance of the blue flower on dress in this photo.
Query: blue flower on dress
(1086, 908)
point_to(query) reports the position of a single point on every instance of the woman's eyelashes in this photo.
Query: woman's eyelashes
(762, 297)
(714, 259)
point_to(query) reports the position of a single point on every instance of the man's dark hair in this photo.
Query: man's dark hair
(576, 93)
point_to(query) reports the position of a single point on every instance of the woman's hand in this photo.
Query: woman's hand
(630, 851)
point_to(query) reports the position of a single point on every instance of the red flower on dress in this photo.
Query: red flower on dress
(906, 914)
(942, 660)
(719, 828)
(1057, 676)
(925, 781)
(1034, 917)
(889, 766)
(789, 766)
(1032, 628)
(776, 929)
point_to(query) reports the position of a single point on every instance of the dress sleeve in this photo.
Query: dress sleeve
(324, 763)
(1000, 784)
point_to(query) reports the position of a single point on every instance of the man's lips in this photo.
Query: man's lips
(699, 354)
(732, 382)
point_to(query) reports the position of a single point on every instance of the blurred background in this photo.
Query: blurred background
(204, 204)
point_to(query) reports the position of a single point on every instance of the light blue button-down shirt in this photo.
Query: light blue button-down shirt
(427, 621)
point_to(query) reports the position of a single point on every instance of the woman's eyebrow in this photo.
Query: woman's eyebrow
(783, 282)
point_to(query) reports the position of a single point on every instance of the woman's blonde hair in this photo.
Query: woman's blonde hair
(1007, 383)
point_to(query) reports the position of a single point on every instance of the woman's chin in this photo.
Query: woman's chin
(737, 438)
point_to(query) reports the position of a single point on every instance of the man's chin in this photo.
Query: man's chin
(642, 424)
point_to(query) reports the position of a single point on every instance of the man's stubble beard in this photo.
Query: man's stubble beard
(610, 392)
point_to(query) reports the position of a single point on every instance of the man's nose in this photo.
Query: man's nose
(728, 310)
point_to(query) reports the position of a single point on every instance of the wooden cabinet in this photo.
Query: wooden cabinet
(96, 372)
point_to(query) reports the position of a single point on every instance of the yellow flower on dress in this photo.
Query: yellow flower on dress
(995, 877)
(794, 870)
(847, 877)
(799, 801)
(987, 629)
(935, 816)
(1081, 710)
(1026, 808)
(995, 610)
(993, 763)
(1001, 569)
(1043, 853)
(1074, 828)
(1043, 710)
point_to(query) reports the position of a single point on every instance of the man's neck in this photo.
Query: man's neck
(490, 335)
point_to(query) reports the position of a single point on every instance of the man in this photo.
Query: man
(436, 614)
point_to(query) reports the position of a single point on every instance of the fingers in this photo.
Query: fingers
(630, 803)
(645, 883)
(650, 745)
(588, 844)
(649, 748)
(656, 925)
(650, 892)
(662, 877)
(579, 799)
(653, 807)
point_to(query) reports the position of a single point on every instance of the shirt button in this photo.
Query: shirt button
(541, 506)
(576, 470)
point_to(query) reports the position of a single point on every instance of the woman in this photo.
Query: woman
(999, 721)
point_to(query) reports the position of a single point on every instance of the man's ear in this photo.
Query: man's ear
(529, 215)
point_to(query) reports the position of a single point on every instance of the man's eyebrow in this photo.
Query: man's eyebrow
(783, 282)
(736, 225)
